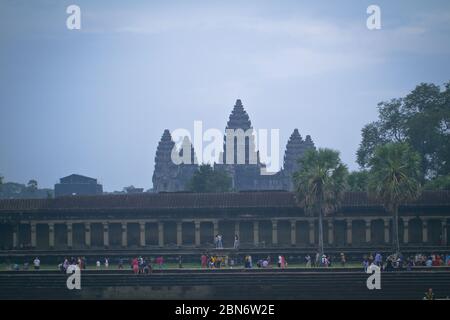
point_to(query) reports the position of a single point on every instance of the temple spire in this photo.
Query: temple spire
(239, 118)
(164, 167)
(294, 149)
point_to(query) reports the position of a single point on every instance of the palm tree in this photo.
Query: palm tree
(320, 183)
(394, 179)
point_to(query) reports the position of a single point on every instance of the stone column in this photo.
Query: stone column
(51, 235)
(197, 233)
(312, 238)
(124, 234)
(33, 235)
(330, 232)
(405, 230)
(161, 234)
(15, 236)
(87, 233)
(179, 234)
(424, 230)
(386, 230)
(256, 233)
(368, 230)
(105, 234)
(69, 234)
(349, 231)
(142, 233)
(274, 232)
(293, 232)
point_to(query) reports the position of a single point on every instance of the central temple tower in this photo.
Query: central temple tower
(241, 163)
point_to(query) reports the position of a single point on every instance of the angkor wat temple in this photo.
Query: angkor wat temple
(245, 175)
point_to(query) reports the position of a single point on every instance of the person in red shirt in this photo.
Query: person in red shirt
(204, 261)
(135, 265)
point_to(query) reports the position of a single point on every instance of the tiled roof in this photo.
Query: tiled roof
(263, 199)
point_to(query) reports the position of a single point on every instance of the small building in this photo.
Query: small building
(75, 185)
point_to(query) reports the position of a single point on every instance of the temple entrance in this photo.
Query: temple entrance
(133, 235)
(6, 236)
(434, 232)
(42, 237)
(78, 235)
(246, 233)
(24, 236)
(377, 232)
(188, 229)
(302, 233)
(60, 236)
(265, 233)
(284, 233)
(226, 229)
(415, 231)
(207, 234)
(97, 235)
(359, 232)
(340, 233)
(151, 234)
(115, 235)
(170, 233)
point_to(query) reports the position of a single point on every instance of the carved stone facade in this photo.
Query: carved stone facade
(244, 168)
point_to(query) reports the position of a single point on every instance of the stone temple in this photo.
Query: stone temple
(245, 173)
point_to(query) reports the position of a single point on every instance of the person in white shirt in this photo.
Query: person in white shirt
(106, 263)
(98, 264)
(37, 263)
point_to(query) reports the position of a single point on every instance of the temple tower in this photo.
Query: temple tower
(169, 176)
(165, 170)
(295, 149)
(244, 149)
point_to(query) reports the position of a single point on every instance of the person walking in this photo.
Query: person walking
(343, 260)
(37, 263)
(236, 242)
(308, 261)
(135, 266)
(219, 242)
(204, 261)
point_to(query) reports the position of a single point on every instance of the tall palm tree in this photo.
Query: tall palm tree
(394, 179)
(320, 183)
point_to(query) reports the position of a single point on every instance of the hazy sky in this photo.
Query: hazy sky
(95, 101)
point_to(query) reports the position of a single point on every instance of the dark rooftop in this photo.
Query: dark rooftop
(265, 199)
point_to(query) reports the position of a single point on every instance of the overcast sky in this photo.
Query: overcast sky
(95, 101)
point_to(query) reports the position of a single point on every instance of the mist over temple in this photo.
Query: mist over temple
(242, 163)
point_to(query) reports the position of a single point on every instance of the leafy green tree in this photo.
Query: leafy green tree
(394, 179)
(32, 185)
(206, 179)
(421, 119)
(320, 183)
(439, 183)
(358, 180)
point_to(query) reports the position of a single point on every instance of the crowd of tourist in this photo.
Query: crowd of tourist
(141, 265)
(399, 262)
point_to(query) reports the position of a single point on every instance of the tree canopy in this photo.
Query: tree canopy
(206, 179)
(320, 183)
(357, 180)
(421, 119)
(394, 179)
